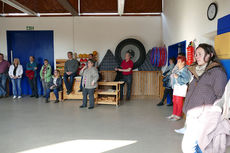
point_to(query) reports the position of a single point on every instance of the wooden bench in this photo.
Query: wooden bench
(53, 97)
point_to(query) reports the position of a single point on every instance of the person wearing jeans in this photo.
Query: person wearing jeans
(70, 70)
(15, 73)
(126, 69)
(31, 72)
(4, 66)
(54, 85)
(45, 75)
(89, 83)
(167, 83)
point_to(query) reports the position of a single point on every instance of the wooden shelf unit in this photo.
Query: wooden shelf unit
(60, 64)
(107, 93)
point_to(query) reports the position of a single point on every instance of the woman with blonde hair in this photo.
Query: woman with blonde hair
(15, 73)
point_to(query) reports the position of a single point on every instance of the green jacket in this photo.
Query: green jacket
(48, 74)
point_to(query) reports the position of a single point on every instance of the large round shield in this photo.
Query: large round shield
(135, 48)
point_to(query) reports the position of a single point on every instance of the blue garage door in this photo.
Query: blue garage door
(23, 44)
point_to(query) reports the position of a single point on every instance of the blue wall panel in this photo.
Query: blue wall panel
(31, 43)
(226, 64)
(173, 52)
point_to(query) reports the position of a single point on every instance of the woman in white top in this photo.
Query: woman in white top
(15, 73)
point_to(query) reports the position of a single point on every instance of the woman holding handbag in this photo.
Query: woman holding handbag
(180, 79)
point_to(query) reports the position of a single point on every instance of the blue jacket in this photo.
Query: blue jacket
(166, 74)
(184, 76)
(30, 66)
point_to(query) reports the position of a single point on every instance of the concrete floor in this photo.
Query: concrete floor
(29, 123)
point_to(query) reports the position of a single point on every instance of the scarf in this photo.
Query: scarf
(200, 69)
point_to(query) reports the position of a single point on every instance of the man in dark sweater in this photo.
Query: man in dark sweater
(70, 70)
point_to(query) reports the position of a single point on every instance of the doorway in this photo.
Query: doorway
(173, 51)
(22, 44)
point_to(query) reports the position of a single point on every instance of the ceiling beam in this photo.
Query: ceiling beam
(68, 7)
(20, 7)
(121, 6)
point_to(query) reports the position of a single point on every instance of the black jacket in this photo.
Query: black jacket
(59, 83)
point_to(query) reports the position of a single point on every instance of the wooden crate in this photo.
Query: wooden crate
(76, 87)
(52, 96)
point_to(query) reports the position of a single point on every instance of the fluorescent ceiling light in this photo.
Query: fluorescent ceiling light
(38, 14)
(91, 14)
(13, 14)
(142, 13)
(98, 13)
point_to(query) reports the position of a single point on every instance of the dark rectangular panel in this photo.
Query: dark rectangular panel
(43, 6)
(98, 6)
(143, 6)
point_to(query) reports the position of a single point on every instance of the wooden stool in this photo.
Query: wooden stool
(53, 97)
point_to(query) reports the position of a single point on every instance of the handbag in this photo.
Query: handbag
(180, 90)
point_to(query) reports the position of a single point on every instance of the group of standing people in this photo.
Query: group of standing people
(195, 90)
(53, 83)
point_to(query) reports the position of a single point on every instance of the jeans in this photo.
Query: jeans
(89, 92)
(167, 92)
(55, 93)
(33, 86)
(69, 84)
(3, 78)
(17, 90)
(128, 80)
(45, 87)
(81, 87)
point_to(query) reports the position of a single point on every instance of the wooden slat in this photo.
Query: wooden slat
(145, 83)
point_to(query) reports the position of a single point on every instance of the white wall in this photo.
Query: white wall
(187, 20)
(85, 34)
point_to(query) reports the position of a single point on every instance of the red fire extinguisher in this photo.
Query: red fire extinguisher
(190, 54)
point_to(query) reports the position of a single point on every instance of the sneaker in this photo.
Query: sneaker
(82, 106)
(160, 104)
(90, 107)
(19, 97)
(175, 118)
(170, 104)
(14, 97)
(47, 100)
(170, 117)
(180, 131)
(56, 101)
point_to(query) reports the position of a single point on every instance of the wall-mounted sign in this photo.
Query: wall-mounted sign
(29, 27)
